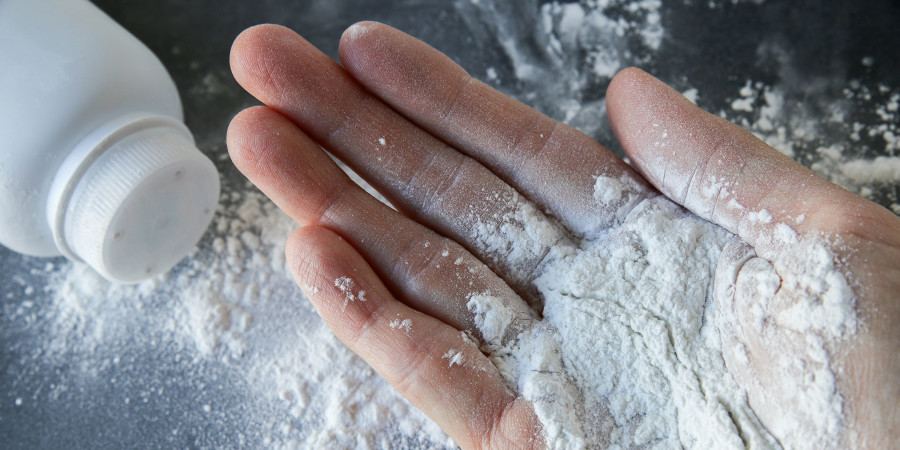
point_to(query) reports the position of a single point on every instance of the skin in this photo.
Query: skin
(448, 137)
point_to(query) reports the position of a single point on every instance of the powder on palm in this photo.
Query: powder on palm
(629, 352)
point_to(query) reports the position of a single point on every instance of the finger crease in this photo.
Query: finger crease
(326, 215)
(362, 332)
(700, 171)
(535, 151)
(401, 269)
(409, 375)
(456, 98)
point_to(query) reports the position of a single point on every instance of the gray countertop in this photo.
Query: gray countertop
(822, 59)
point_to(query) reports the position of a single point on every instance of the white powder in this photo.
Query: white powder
(405, 325)
(491, 74)
(831, 146)
(531, 364)
(692, 95)
(515, 237)
(560, 49)
(455, 357)
(578, 45)
(232, 307)
(883, 169)
(346, 285)
(234, 310)
(617, 195)
(801, 311)
(629, 353)
(747, 99)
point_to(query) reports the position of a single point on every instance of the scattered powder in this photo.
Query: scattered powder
(832, 146)
(836, 127)
(234, 314)
(630, 350)
(692, 95)
(713, 4)
(883, 169)
(745, 102)
(559, 50)
(357, 30)
(491, 74)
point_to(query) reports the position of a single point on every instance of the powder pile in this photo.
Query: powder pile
(630, 350)
(655, 373)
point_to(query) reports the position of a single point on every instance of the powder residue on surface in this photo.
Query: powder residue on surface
(234, 314)
(789, 117)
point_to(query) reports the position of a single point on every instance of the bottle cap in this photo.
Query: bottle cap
(142, 205)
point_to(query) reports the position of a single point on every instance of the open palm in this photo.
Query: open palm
(485, 188)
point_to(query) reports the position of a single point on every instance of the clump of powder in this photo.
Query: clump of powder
(617, 195)
(530, 360)
(629, 352)
(793, 312)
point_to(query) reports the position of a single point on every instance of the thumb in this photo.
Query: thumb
(727, 175)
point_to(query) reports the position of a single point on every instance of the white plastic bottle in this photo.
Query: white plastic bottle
(95, 162)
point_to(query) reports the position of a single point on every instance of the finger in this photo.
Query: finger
(553, 164)
(436, 367)
(722, 172)
(425, 178)
(305, 183)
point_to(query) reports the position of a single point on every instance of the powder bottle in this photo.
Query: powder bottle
(95, 162)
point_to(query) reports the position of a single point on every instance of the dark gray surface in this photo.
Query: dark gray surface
(715, 49)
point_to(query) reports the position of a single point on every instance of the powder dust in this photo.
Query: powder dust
(233, 311)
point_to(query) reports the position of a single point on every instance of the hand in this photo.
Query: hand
(434, 141)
